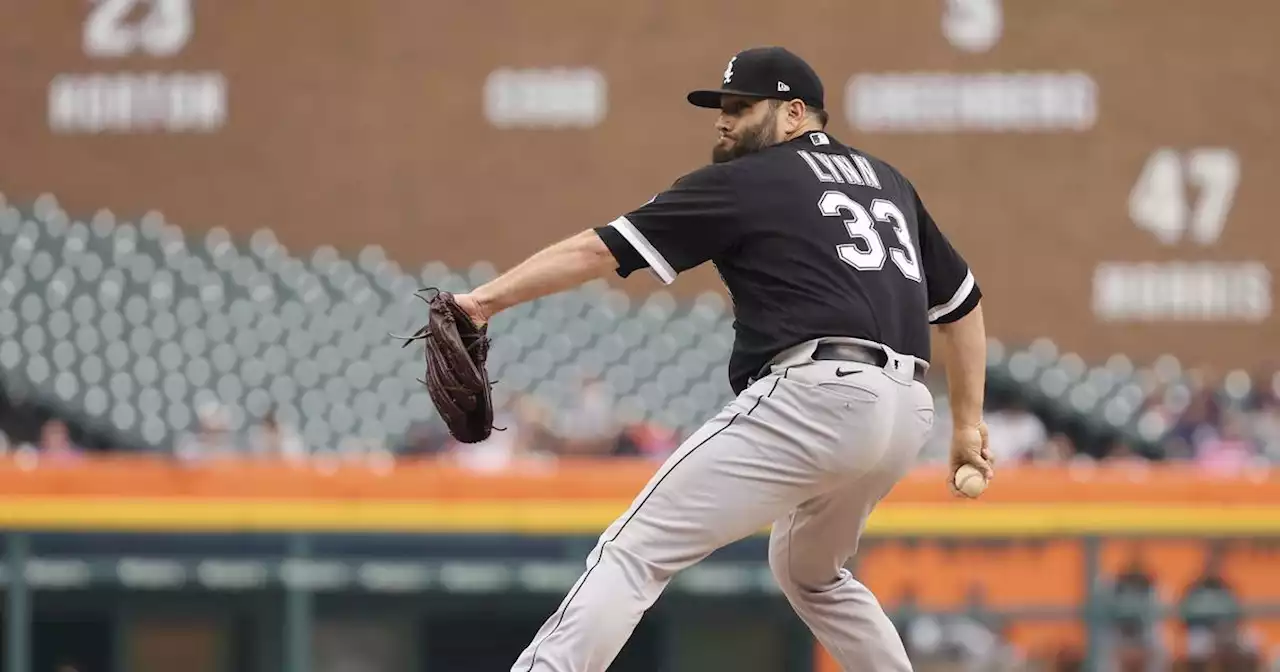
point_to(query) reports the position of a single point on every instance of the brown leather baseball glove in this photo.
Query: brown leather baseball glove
(456, 351)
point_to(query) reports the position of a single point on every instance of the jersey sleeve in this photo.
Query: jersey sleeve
(952, 290)
(680, 228)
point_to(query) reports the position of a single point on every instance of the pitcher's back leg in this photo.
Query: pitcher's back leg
(729, 480)
(807, 553)
(809, 548)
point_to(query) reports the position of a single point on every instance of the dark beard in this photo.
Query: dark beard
(752, 141)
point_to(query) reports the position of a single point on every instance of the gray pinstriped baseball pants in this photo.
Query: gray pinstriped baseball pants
(802, 448)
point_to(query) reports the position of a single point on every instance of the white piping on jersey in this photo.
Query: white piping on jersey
(962, 293)
(646, 249)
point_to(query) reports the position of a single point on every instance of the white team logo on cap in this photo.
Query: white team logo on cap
(728, 70)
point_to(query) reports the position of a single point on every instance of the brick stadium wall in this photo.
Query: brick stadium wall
(355, 123)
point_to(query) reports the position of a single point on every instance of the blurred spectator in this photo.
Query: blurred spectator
(924, 635)
(1121, 451)
(495, 453)
(1132, 607)
(356, 450)
(212, 439)
(1014, 432)
(56, 444)
(1015, 435)
(648, 440)
(588, 425)
(424, 439)
(274, 440)
(970, 640)
(1227, 448)
(904, 618)
(1196, 424)
(534, 419)
(23, 425)
(1057, 449)
(519, 435)
(1212, 616)
(1220, 426)
(1265, 426)
(982, 634)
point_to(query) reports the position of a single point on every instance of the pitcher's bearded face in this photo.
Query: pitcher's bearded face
(746, 126)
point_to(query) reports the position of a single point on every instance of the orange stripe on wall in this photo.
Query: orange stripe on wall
(823, 662)
(587, 479)
(559, 516)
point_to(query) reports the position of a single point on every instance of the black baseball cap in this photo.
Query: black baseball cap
(765, 72)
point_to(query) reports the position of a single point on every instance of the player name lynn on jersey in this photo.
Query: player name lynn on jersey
(839, 168)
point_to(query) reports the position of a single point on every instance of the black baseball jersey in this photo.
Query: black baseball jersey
(812, 238)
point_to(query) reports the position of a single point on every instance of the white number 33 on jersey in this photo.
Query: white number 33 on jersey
(871, 253)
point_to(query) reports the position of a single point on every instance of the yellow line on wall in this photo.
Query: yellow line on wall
(590, 518)
(1074, 519)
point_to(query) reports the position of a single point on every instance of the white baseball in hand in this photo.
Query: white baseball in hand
(970, 481)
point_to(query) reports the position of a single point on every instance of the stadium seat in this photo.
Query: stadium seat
(140, 323)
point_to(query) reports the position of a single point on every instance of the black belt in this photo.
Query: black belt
(853, 352)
